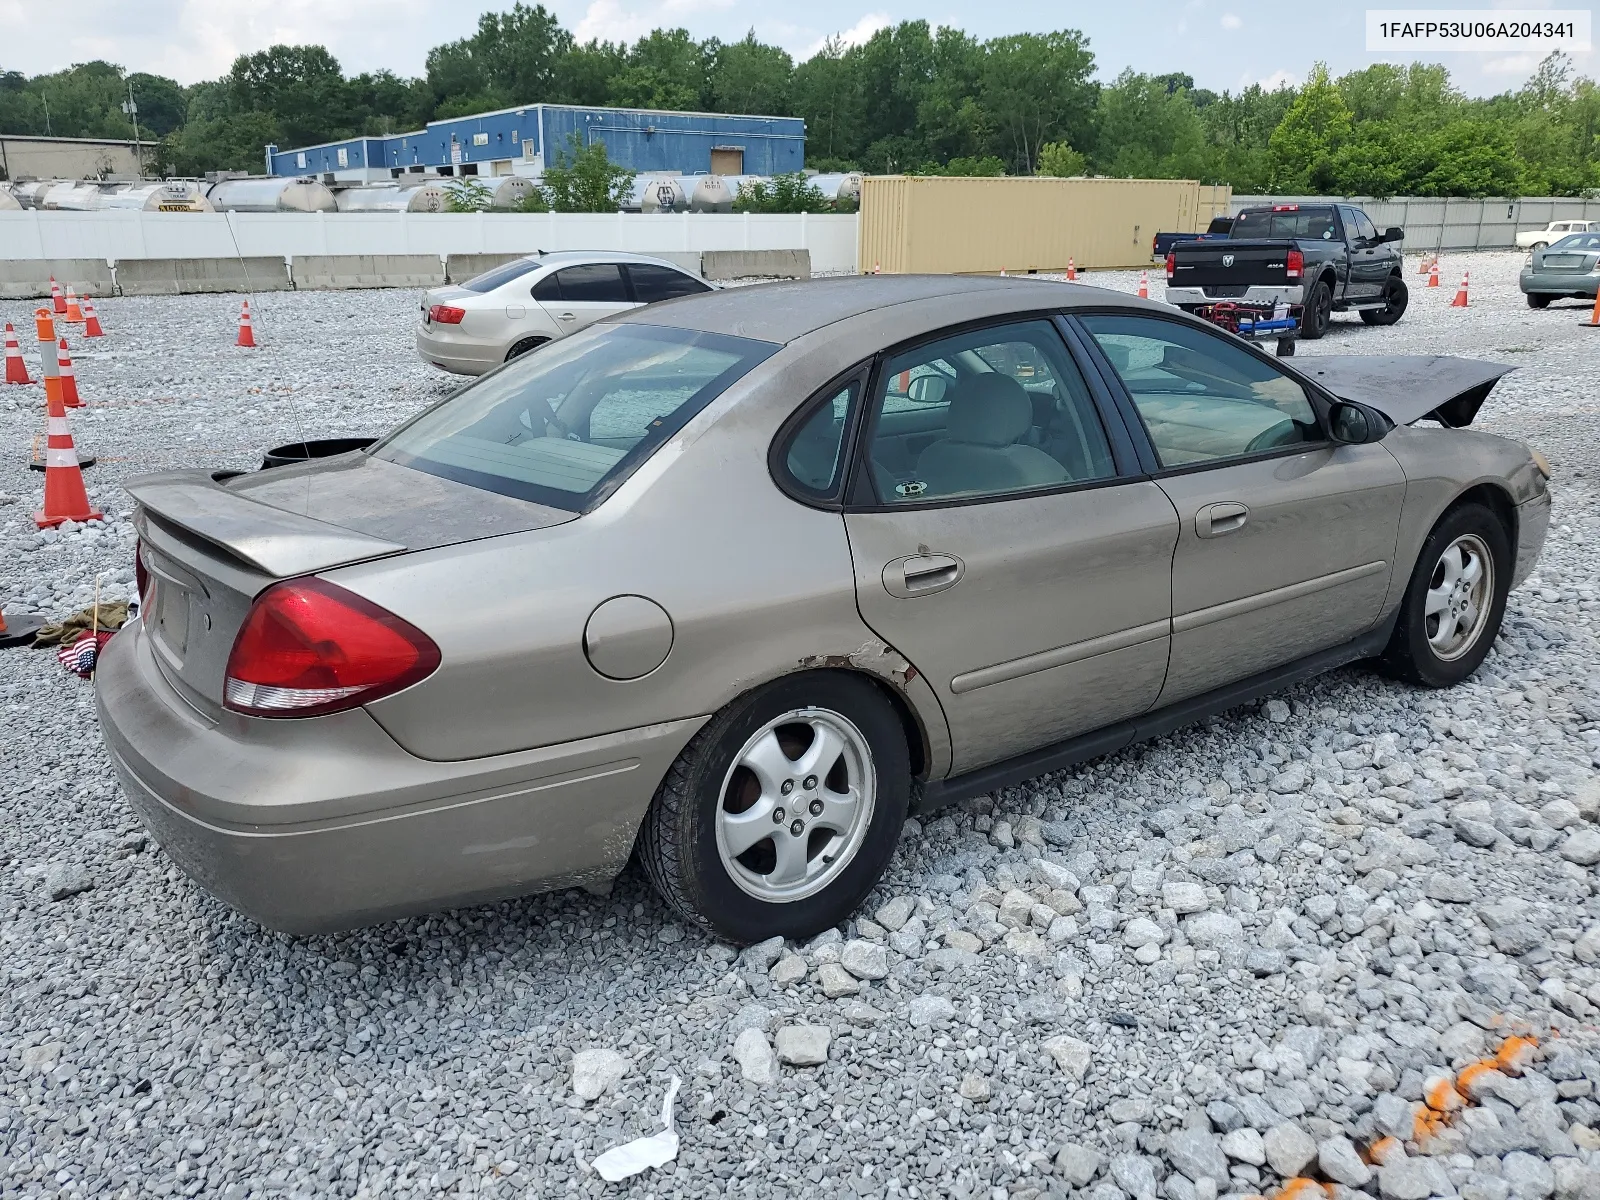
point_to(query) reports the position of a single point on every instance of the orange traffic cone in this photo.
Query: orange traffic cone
(91, 320)
(1144, 285)
(68, 384)
(1072, 270)
(247, 333)
(74, 313)
(49, 368)
(1594, 317)
(1461, 293)
(1433, 274)
(64, 496)
(875, 269)
(58, 302)
(1422, 264)
(16, 365)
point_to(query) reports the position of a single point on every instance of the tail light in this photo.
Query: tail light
(141, 575)
(1296, 264)
(310, 647)
(446, 314)
(1172, 263)
(1153, 245)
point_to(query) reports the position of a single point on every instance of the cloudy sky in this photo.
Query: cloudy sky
(1222, 43)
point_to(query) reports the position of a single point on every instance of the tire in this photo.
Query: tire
(1395, 298)
(519, 348)
(1539, 246)
(1439, 662)
(1539, 299)
(691, 831)
(1318, 311)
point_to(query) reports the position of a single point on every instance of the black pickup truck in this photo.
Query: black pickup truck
(1318, 259)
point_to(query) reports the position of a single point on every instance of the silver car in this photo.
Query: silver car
(475, 326)
(736, 582)
(1570, 268)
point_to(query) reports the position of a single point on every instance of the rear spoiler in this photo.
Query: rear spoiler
(1408, 387)
(268, 539)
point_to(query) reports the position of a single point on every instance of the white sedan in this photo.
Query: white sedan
(475, 326)
(1532, 239)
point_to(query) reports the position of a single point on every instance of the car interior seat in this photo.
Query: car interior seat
(989, 415)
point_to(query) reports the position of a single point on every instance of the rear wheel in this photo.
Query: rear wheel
(521, 347)
(1455, 601)
(1539, 299)
(1318, 311)
(1395, 298)
(781, 814)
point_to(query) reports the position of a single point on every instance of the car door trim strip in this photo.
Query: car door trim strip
(1294, 591)
(971, 681)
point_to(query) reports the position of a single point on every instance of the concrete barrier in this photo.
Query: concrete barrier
(755, 264)
(316, 271)
(458, 268)
(29, 278)
(183, 276)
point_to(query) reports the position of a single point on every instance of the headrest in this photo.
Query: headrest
(990, 410)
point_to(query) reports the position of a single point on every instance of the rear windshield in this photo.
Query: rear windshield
(504, 273)
(565, 424)
(1578, 241)
(1314, 223)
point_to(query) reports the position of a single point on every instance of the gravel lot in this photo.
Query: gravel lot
(1201, 966)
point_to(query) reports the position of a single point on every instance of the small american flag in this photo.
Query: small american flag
(79, 656)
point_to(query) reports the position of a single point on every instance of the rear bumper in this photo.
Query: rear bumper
(315, 825)
(1267, 294)
(458, 354)
(1533, 523)
(1560, 283)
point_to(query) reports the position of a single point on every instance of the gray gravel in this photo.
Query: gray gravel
(1245, 948)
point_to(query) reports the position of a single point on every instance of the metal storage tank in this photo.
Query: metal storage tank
(265, 193)
(709, 194)
(8, 202)
(174, 195)
(660, 194)
(735, 183)
(845, 186)
(72, 195)
(393, 197)
(506, 192)
(29, 192)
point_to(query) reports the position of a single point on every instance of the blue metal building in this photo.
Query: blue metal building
(520, 141)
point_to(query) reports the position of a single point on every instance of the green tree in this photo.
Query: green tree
(1038, 89)
(584, 179)
(748, 76)
(467, 195)
(782, 194)
(301, 86)
(1148, 130)
(1060, 159)
(1305, 141)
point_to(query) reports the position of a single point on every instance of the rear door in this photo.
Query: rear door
(652, 283)
(1286, 539)
(580, 295)
(1005, 545)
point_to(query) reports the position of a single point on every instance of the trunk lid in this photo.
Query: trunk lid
(212, 546)
(1226, 266)
(1564, 262)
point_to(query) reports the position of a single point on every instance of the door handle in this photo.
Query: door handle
(921, 574)
(566, 316)
(1214, 520)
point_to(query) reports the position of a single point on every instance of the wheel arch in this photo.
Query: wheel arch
(892, 688)
(1495, 498)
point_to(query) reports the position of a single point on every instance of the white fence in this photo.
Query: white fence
(1452, 224)
(113, 236)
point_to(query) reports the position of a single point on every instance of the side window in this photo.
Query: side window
(593, 282)
(1201, 398)
(652, 283)
(1364, 227)
(984, 413)
(548, 289)
(813, 455)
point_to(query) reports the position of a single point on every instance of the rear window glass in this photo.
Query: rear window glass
(1316, 224)
(1578, 241)
(564, 424)
(504, 273)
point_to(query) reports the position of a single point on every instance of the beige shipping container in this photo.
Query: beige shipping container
(940, 224)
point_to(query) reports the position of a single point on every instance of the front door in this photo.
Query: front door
(579, 295)
(1369, 258)
(999, 549)
(1287, 539)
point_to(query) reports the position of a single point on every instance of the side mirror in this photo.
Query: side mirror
(1394, 234)
(1356, 424)
(927, 389)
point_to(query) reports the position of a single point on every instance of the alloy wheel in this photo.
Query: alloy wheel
(1457, 605)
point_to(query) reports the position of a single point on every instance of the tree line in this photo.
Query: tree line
(912, 98)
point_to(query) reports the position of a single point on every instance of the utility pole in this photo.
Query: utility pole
(46, 101)
(132, 109)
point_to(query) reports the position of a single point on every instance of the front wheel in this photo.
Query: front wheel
(1455, 601)
(1395, 298)
(1539, 299)
(1318, 311)
(781, 814)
